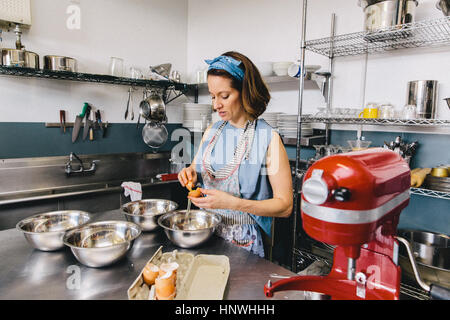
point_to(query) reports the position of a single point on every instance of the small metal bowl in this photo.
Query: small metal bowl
(101, 243)
(145, 213)
(189, 232)
(45, 231)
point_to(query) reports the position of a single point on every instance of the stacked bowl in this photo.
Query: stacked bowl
(287, 126)
(196, 117)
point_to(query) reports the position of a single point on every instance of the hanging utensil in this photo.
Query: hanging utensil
(132, 106)
(62, 119)
(155, 134)
(153, 108)
(128, 104)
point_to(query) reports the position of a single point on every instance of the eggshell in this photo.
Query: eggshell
(150, 273)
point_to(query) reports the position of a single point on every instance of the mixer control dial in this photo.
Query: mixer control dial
(342, 194)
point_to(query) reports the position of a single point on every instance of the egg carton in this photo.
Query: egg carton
(201, 277)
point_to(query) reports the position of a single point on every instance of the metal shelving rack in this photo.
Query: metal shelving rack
(169, 87)
(386, 122)
(429, 33)
(431, 193)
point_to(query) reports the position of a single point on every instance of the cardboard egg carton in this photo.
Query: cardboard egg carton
(201, 277)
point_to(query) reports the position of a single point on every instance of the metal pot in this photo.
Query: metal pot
(444, 6)
(19, 58)
(59, 63)
(423, 95)
(381, 14)
(153, 108)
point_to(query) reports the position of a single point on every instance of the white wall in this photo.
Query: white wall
(268, 30)
(142, 32)
(185, 32)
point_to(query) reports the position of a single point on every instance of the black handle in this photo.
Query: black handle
(439, 293)
(342, 194)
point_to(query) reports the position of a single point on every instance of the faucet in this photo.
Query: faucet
(69, 171)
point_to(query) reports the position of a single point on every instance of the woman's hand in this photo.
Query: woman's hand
(215, 199)
(186, 176)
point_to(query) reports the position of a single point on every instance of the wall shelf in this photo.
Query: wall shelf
(94, 78)
(426, 33)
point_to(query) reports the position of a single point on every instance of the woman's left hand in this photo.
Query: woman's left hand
(215, 199)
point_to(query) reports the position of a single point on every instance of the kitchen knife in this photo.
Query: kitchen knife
(62, 119)
(105, 128)
(91, 128)
(87, 124)
(77, 124)
(98, 119)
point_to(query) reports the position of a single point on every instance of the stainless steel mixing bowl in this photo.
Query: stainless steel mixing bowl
(102, 243)
(188, 232)
(45, 231)
(145, 213)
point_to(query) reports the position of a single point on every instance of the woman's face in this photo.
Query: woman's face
(225, 99)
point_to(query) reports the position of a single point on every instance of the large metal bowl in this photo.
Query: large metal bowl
(145, 213)
(189, 232)
(45, 231)
(102, 243)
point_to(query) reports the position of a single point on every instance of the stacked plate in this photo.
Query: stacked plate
(287, 126)
(271, 118)
(196, 117)
(438, 183)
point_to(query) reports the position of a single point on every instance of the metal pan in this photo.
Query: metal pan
(60, 63)
(19, 58)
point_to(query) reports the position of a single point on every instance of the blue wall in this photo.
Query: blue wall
(24, 140)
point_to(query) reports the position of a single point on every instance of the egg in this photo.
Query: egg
(167, 267)
(165, 285)
(195, 193)
(150, 273)
(190, 185)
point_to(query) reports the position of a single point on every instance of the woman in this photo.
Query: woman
(241, 164)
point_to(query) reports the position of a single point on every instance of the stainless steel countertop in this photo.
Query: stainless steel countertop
(30, 274)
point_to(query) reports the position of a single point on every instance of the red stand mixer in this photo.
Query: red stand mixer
(353, 201)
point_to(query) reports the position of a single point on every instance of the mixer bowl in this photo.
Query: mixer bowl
(45, 231)
(145, 213)
(102, 243)
(189, 232)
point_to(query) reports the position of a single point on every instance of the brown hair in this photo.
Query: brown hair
(255, 95)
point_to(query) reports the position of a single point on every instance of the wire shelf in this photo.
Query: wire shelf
(388, 122)
(431, 193)
(426, 33)
(96, 78)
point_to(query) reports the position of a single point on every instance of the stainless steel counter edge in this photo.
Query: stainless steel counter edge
(76, 193)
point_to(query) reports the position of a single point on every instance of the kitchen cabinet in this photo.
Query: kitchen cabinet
(428, 33)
